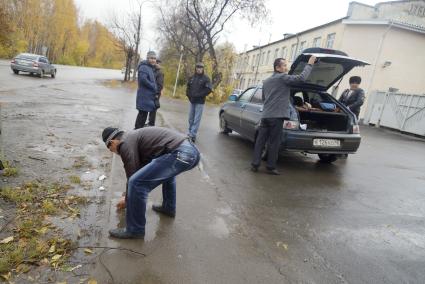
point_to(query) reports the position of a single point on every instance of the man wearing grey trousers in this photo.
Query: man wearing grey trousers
(276, 94)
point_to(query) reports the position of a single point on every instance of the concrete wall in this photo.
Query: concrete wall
(412, 12)
(404, 49)
(265, 68)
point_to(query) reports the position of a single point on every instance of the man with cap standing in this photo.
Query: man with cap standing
(198, 87)
(147, 89)
(151, 156)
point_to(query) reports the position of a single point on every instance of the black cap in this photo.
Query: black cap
(110, 133)
(200, 65)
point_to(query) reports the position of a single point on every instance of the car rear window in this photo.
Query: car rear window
(323, 74)
(27, 57)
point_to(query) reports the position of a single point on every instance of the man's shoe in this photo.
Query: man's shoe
(160, 209)
(121, 233)
(273, 172)
(254, 168)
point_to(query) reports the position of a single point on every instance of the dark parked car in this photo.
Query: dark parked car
(33, 64)
(319, 124)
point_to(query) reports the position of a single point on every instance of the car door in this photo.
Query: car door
(251, 114)
(49, 67)
(42, 62)
(234, 110)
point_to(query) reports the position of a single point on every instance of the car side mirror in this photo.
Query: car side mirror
(233, 98)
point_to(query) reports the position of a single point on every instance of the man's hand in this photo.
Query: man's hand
(312, 60)
(121, 204)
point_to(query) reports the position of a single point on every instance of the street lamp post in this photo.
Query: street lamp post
(178, 71)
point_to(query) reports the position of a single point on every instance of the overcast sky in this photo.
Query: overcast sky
(286, 16)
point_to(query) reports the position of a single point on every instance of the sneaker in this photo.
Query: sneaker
(254, 168)
(160, 209)
(122, 233)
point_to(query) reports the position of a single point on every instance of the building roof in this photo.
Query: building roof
(395, 23)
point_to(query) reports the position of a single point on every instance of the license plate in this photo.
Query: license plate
(326, 143)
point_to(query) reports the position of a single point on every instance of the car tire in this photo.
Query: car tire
(16, 71)
(223, 125)
(41, 75)
(328, 158)
(53, 74)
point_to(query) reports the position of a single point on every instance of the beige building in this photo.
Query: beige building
(390, 36)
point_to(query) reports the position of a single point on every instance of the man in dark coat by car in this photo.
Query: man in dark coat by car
(147, 89)
(198, 87)
(353, 97)
(159, 79)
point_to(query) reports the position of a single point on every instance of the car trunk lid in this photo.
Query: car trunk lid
(327, 71)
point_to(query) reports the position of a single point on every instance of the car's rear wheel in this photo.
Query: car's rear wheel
(223, 125)
(16, 71)
(328, 158)
(53, 74)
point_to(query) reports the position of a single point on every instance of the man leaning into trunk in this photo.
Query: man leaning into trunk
(276, 94)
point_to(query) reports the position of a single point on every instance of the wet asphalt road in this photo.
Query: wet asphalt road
(360, 220)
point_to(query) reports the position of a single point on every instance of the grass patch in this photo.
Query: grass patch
(35, 241)
(9, 171)
(75, 179)
(80, 162)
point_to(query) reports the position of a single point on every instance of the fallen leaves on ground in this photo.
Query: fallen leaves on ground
(6, 240)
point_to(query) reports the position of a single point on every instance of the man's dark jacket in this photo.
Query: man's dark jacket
(198, 87)
(139, 147)
(159, 78)
(354, 101)
(147, 88)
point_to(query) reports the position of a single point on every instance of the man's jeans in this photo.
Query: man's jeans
(162, 170)
(195, 116)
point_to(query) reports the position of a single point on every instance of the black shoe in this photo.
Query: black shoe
(160, 209)
(254, 168)
(121, 233)
(273, 172)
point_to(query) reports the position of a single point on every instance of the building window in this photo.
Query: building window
(267, 58)
(263, 56)
(276, 51)
(330, 40)
(293, 52)
(284, 51)
(317, 42)
(302, 46)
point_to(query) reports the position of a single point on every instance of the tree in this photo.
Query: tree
(203, 21)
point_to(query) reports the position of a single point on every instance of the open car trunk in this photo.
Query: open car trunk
(323, 121)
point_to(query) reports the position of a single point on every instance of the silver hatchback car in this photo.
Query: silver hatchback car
(33, 64)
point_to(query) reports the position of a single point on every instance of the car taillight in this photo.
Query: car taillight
(13, 61)
(34, 64)
(291, 124)
(356, 129)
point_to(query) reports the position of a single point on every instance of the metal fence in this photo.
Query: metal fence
(403, 112)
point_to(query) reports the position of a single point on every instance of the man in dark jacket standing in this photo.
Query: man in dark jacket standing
(159, 79)
(354, 97)
(147, 89)
(276, 94)
(151, 156)
(198, 87)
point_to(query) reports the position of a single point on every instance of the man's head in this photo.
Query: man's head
(158, 63)
(112, 138)
(355, 82)
(199, 68)
(151, 57)
(280, 66)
